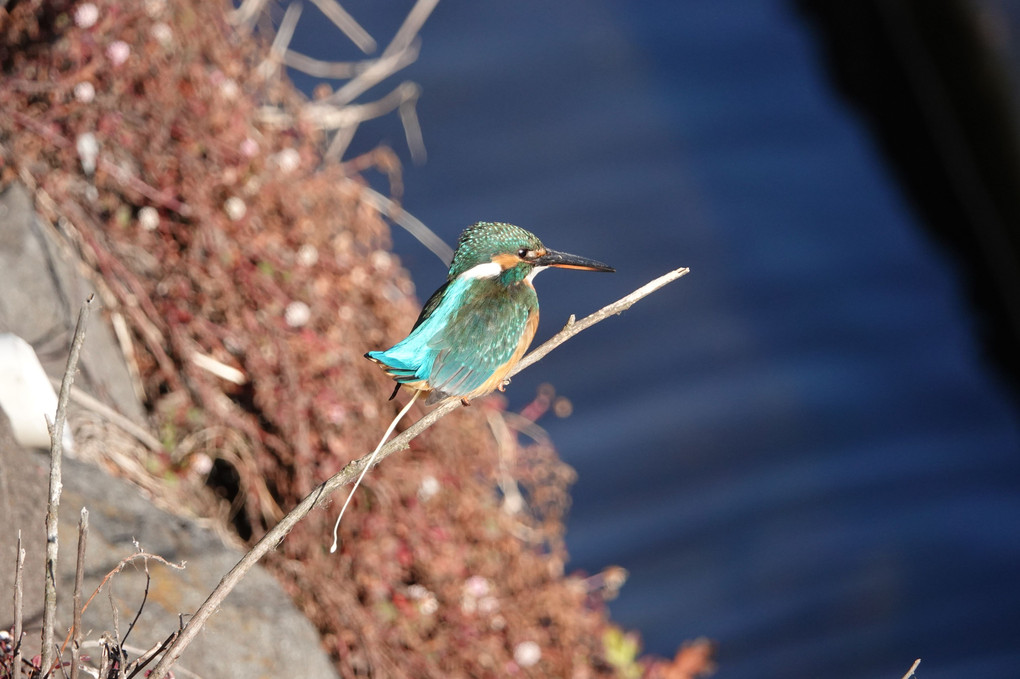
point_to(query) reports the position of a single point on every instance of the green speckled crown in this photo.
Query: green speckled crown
(480, 241)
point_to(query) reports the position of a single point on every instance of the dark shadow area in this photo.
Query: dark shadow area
(923, 76)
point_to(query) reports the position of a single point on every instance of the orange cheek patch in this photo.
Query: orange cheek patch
(506, 261)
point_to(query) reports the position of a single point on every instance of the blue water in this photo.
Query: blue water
(798, 449)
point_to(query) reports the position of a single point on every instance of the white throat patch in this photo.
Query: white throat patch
(535, 272)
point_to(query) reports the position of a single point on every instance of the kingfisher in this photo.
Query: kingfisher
(473, 330)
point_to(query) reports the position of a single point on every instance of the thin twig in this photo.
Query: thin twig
(341, 140)
(285, 32)
(104, 657)
(281, 41)
(408, 30)
(328, 116)
(119, 672)
(408, 113)
(141, 606)
(506, 446)
(60, 665)
(377, 71)
(56, 451)
(145, 657)
(319, 68)
(79, 577)
(140, 554)
(351, 471)
(19, 607)
(122, 422)
(347, 24)
(573, 327)
(409, 222)
(338, 111)
(124, 562)
(913, 668)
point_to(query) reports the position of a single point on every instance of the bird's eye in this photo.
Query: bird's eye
(523, 253)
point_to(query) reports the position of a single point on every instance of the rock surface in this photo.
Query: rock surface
(42, 294)
(258, 632)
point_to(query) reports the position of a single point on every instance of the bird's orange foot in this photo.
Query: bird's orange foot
(504, 384)
(465, 401)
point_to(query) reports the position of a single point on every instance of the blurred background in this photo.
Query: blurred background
(808, 448)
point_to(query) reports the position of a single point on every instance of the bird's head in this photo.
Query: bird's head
(508, 252)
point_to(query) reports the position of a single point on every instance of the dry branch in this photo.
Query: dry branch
(56, 452)
(122, 422)
(409, 222)
(573, 327)
(282, 40)
(353, 469)
(913, 668)
(347, 24)
(19, 607)
(318, 68)
(79, 576)
(338, 111)
(408, 30)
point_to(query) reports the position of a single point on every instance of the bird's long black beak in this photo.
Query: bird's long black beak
(565, 261)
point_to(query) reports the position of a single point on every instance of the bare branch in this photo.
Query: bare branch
(141, 554)
(376, 72)
(330, 116)
(351, 471)
(283, 37)
(410, 223)
(323, 69)
(79, 577)
(56, 451)
(913, 668)
(141, 606)
(19, 608)
(341, 140)
(573, 327)
(413, 22)
(338, 111)
(122, 422)
(412, 129)
(146, 656)
(347, 24)
(286, 31)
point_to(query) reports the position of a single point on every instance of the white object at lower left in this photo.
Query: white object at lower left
(26, 395)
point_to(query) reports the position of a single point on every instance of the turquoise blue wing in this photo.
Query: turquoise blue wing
(481, 337)
(410, 360)
(472, 328)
